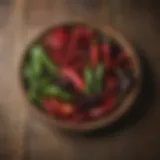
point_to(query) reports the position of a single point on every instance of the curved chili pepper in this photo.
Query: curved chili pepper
(56, 44)
(89, 79)
(79, 32)
(54, 107)
(107, 107)
(100, 76)
(112, 83)
(41, 58)
(109, 104)
(94, 55)
(106, 53)
(79, 66)
(74, 77)
(51, 105)
(36, 60)
(57, 39)
(56, 57)
(66, 110)
(56, 92)
(119, 59)
(96, 112)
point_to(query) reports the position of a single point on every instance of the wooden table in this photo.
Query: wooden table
(136, 136)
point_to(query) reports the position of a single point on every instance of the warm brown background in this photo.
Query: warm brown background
(139, 22)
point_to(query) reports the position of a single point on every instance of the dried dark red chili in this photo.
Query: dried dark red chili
(79, 32)
(94, 55)
(57, 39)
(105, 48)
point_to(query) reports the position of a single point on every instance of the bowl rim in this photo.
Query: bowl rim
(119, 111)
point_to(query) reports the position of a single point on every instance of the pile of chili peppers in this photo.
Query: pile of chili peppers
(76, 73)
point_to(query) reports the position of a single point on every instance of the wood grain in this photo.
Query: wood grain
(139, 22)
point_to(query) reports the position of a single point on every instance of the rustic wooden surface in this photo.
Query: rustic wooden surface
(139, 22)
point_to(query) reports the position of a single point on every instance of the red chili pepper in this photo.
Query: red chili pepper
(107, 107)
(109, 104)
(66, 110)
(79, 32)
(51, 105)
(59, 109)
(112, 83)
(96, 112)
(78, 66)
(55, 56)
(57, 39)
(125, 62)
(83, 32)
(117, 61)
(94, 55)
(106, 53)
(74, 77)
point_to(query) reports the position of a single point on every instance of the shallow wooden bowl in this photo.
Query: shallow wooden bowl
(119, 111)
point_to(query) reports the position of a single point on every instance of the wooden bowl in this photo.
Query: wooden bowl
(119, 111)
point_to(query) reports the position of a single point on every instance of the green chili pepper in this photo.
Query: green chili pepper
(33, 92)
(36, 61)
(28, 71)
(32, 95)
(36, 89)
(31, 79)
(94, 79)
(99, 77)
(45, 82)
(35, 84)
(89, 78)
(38, 85)
(29, 75)
(56, 92)
(44, 60)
